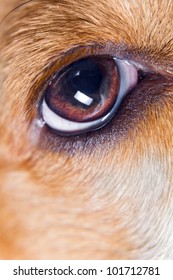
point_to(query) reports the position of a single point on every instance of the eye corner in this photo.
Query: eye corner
(142, 75)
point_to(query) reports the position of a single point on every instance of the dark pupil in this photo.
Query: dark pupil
(82, 84)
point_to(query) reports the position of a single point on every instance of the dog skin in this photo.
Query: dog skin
(106, 194)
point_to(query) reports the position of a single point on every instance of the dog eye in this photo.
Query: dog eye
(85, 95)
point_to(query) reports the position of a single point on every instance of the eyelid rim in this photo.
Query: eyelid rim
(128, 76)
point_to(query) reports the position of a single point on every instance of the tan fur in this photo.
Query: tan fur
(109, 198)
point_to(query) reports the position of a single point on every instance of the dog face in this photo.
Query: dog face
(107, 193)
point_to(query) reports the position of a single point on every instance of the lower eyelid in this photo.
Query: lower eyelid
(125, 124)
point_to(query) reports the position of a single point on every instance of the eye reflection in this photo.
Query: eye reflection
(83, 98)
(85, 95)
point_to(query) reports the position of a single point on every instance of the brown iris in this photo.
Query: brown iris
(85, 90)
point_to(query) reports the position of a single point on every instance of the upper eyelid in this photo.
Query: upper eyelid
(61, 60)
(141, 59)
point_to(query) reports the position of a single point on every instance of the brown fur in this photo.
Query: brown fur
(107, 194)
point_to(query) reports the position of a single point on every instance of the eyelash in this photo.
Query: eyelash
(128, 75)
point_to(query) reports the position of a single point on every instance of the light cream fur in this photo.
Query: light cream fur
(113, 201)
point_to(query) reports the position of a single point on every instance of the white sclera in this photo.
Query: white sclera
(128, 79)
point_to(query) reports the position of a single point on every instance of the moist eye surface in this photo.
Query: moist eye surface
(85, 95)
(85, 91)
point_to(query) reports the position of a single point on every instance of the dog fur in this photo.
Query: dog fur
(107, 194)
